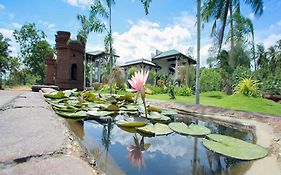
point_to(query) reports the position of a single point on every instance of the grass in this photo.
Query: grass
(235, 101)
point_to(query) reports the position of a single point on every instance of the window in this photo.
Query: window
(73, 72)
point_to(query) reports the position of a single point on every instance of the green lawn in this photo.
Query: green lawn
(236, 102)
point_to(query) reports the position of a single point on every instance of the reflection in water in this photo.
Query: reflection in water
(135, 152)
(172, 154)
(77, 127)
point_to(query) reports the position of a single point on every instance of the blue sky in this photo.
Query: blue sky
(169, 25)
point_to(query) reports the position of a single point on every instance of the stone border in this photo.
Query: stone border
(36, 141)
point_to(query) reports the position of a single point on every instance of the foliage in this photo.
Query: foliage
(183, 91)
(187, 75)
(161, 83)
(157, 89)
(272, 85)
(171, 91)
(152, 77)
(4, 54)
(118, 78)
(238, 56)
(97, 85)
(33, 48)
(247, 87)
(240, 73)
(131, 71)
(210, 80)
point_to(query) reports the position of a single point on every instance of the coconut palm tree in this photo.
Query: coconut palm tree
(89, 24)
(218, 10)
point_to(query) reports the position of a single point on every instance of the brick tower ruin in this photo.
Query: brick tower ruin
(69, 66)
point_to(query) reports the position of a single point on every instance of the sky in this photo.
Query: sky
(170, 24)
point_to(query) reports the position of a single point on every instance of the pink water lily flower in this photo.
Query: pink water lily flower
(138, 80)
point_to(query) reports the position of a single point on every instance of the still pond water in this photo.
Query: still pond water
(119, 152)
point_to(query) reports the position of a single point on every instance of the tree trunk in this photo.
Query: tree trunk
(231, 25)
(110, 50)
(198, 51)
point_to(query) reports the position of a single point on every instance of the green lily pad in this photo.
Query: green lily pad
(154, 109)
(67, 93)
(156, 129)
(99, 113)
(55, 95)
(195, 130)
(132, 122)
(158, 117)
(126, 97)
(65, 109)
(169, 112)
(89, 96)
(80, 114)
(233, 147)
(128, 129)
(112, 108)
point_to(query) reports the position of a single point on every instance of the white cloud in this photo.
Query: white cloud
(2, 7)
(79, 3)
(271, 40)
(251, 16)
(14, 46)
(144, 37)
(16, 25)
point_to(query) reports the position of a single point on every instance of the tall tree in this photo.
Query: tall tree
(217, 10)
(109, 38)
(33, 48)
(89, 24)
(4, 56)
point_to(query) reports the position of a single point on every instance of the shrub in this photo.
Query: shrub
(272, 85)
(247, 87)
(118, 78)
(171, 91)
(157, 89)
(97, 86)
(210, 80)
(161, 83)
(183, 91)
(240, 73)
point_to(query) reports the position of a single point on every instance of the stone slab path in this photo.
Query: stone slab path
(34, 140)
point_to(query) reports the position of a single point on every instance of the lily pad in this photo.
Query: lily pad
(132, 122)
(112, 108)
(128, 129)
(158, 117)
(126, 97)
(156, 129)
(169, 112)
(233, 147)
(99, 113)
(55, 95)
(80, 114)
(195, 130)
(154, 109)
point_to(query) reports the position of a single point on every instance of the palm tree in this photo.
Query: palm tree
(218, 11)
(109, 4)
(90, 24)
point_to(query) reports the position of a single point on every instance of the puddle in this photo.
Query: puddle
(118, 152)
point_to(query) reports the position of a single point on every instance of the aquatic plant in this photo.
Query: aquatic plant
(137, 82)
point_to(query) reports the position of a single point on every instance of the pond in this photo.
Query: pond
(117, 151)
